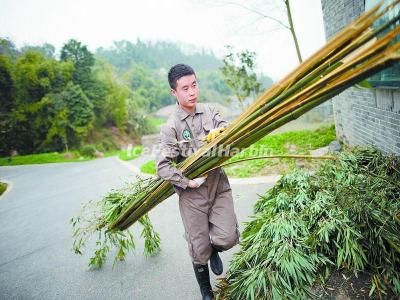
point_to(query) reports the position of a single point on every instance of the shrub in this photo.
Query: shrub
(88, 150)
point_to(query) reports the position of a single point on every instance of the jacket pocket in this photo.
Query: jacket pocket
(184, 148)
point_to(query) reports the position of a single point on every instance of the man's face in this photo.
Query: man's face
(186, 92)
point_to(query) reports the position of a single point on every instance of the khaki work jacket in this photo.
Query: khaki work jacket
(180, 137)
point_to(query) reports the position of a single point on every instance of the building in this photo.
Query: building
(365, 116)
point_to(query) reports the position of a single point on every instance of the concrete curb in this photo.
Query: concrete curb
(255, 180)
(129, 166)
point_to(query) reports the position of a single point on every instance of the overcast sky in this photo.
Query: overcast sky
(209, 23)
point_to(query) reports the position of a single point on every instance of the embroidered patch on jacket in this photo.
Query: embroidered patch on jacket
(186, 135)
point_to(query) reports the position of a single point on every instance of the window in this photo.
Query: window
(389, 77)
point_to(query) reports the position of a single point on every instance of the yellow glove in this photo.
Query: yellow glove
(213, 134)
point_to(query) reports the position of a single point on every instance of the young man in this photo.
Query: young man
(205, 203)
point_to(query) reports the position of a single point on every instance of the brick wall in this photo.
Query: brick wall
(362, 116)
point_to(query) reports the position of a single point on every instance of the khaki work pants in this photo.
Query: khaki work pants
(208, 217)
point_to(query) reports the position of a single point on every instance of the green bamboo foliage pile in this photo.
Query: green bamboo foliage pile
(346, 216)
(352, 55)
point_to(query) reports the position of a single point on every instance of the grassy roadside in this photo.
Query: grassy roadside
(3, 187)
(41, 158)
(154, 124)
(291, 142)
(56, 157)
(156, 121)
(149, 167)
(129, 155)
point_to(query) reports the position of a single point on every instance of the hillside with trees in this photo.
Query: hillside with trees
(61, 101)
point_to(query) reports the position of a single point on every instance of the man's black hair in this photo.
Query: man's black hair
(178, 71)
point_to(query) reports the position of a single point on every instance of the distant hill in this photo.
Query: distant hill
(144, 66)
(157, 55)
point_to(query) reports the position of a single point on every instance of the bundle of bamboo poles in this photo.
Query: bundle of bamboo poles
(354, 54)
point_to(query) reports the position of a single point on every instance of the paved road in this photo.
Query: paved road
(35, 237)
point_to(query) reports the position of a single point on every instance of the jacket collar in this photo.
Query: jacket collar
(183, 114)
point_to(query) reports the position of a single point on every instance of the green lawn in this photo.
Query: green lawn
(291, 142)
(41, 158)
(56, 157)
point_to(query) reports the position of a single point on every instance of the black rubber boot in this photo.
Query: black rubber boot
(203, 278)
(215, 262)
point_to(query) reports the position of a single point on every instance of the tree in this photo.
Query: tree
(34, 77)
(80, 113)
(69, 119)
(6, 85)
(149, 86)
(57, 117)
(266, 15)
(292, 31)
(82, 59)
(112, 110)
(239, 74)
(138, 122)
(7, 102)
(48, 50)
(7, 48)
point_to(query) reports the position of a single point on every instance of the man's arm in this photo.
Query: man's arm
(168, 153)
(218, 120)
(219, 125)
